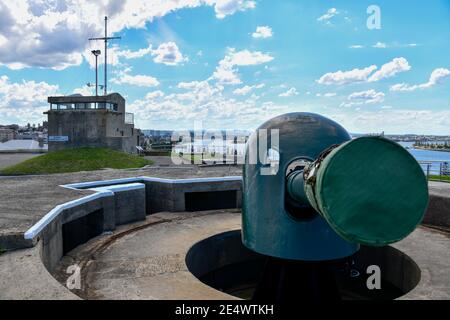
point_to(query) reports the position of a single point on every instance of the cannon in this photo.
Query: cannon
(328, 195)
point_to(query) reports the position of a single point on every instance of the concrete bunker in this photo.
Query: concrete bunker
(123, 201)
(81, 230)
(225, 264)
(210, 200)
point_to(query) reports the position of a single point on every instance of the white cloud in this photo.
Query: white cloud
(347, 77)
(328, 15)
(390, 69)
(54, 34)
(263, 32)
(356, 46)
(136, 80)
(290, 93)
(202, 100)
(367, 74)
(364, 97)
(224, 8)
(128, 54)
(247, 89)
(436, 77)
(168, 54)
(226, 73)
(154, 95)
(25, 101)
(380, 45)
(330, 94)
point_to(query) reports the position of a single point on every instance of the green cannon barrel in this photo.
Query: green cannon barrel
(370, 190)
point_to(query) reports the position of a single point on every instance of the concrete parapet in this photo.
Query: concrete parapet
(438, 212)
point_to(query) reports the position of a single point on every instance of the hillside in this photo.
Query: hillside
(75, 160)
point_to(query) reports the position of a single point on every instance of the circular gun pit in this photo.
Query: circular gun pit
(223, 263)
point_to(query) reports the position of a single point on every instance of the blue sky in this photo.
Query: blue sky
(235, 63)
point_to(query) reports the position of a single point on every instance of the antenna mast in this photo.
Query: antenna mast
(105, 38)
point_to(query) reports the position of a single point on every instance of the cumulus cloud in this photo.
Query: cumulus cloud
(36, 33)
(24, 101)
(262, 32)
(202, 100)
(128, 54)
(347, 77)
(227, 73)
(364, 97)
(247, 89)
(436, 77)
(328, 15)
(390, 69)
(224, 8)
(367, 74)
(356, 46)
(154, 95)
(289, 93)
(168, 54)
(135, 80)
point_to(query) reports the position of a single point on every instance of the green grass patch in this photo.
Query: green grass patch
(75, 160)
(439, 178)
(2, 251)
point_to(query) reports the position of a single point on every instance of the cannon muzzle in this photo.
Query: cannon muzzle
(370, 190)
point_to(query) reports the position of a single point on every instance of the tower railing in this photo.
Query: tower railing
(129, 118)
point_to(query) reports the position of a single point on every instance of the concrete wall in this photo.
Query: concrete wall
(84, 128)
(130, 206)
(125, 206)
(438, 212)
(122, 207)
(171, 196)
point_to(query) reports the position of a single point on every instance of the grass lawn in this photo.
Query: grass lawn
(75, 160)
(441, 178)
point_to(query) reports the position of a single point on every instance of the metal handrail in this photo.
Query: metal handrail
(439, 168)
(129, 118)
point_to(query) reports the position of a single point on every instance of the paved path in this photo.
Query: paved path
(10, 159)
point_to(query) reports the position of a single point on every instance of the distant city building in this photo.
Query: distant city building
(91, 121)
(7, 134)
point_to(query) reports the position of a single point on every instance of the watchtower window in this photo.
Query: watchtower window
(84, 105)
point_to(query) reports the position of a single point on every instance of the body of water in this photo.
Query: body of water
(428, 155)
